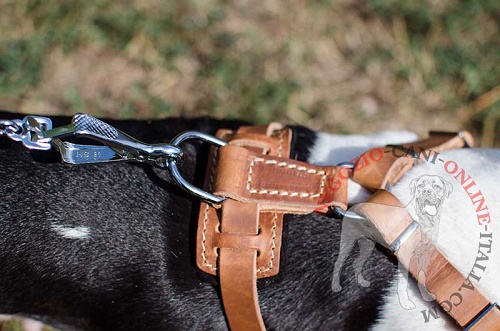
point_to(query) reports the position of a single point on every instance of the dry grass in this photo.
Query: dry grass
(355, 66)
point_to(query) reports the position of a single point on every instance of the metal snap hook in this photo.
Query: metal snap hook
(176, 175)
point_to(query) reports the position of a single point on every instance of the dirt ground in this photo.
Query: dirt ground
(352, 67)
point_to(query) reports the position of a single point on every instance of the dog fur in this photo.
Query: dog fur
(111, 247)
(428, 194)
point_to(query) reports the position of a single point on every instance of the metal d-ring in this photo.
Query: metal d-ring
(176, 175)
(346, 165)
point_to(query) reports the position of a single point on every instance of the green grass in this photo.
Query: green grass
(465, 49)
(328, 67)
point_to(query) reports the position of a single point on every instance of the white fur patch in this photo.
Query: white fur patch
(459, 238)
(71, 232)
(331, 149)
(27, 324)
(459, 232)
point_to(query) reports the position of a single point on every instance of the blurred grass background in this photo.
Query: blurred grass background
(347, 66)
(339, 66)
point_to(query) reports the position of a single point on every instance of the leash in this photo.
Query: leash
(251, 182)
(37, 133)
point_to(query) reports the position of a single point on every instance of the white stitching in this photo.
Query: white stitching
(273, 230)
(203, 236)
(273, 245)
(284, 192)
(280, 147)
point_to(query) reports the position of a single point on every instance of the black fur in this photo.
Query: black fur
(137, 271)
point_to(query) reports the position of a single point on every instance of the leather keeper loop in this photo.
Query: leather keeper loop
(238, 241)
(266, 239)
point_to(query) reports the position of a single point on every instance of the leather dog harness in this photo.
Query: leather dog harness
(255, 183)
(239, 240)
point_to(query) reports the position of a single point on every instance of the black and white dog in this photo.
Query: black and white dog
(111, 247)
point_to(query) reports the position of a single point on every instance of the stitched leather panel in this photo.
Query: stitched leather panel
(278, 184)
(267, 242)
(273, 140)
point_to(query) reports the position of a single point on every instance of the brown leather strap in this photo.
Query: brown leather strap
(489, 321)
(442, 141)
(238, 281)
(424, 261)
(237, 265)
(240, 241)
(382, 167)
(277, 142)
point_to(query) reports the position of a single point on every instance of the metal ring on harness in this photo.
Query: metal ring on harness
(176, 175)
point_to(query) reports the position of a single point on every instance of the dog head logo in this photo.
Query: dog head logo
(428, 195)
